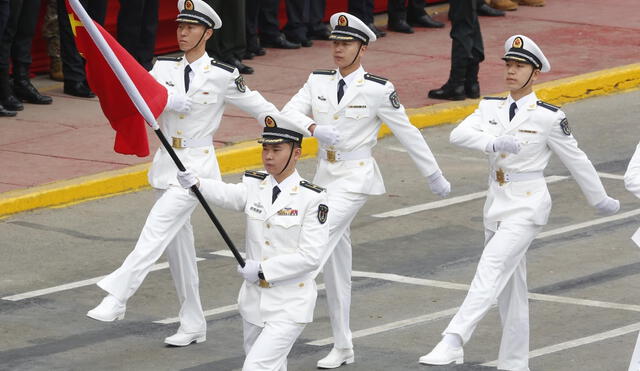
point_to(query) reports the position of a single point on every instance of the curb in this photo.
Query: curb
(247, 155)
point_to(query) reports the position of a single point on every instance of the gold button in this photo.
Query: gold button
(268, 225)
(361, 163)
(528, 193)
(181, 116)
(179, 132)
(301, 284)
(267, 243)
(335, 117)
(206, 151)
(503, 155)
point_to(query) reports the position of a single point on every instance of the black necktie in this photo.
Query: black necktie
(274, 194)
(341, 85)
(512, 110)
(186, 78)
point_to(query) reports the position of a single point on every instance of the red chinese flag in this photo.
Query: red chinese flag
(131, 134)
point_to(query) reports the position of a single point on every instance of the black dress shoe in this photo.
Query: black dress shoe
(25, 91)
(426, 21)
(242, 68)
(12, 103)
(448, 92)
(248, 55)
(257, 51)
(488, 11)
(6, 113)
(378, 32)
(78, 89)
(472, 90)
(306, 43)
(279, 43)
(400, 26)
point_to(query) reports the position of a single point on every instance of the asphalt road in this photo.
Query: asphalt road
(412, 271)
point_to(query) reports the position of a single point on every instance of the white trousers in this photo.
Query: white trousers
(634, 365)
(343, 207)
(168, 226)
(267, 347)
(501, 276)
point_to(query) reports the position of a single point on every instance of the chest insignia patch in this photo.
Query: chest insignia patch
(493, 122)
(169, 83)
(257, 207)
(321, 98)
(395, 101)
(564, 124)
(287, 211)
(528, 131)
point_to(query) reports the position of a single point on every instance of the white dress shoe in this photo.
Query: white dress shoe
(443, 354)
(336, 358)
(182, 339)
(109, 310)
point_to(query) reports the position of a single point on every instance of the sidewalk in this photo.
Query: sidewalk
(72, 138)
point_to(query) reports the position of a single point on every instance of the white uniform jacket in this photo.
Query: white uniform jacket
(541, 129)
(288, 237)
(368, 101)
(632, 175)
(213, 85)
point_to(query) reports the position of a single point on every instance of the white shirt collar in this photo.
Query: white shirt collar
(350, 77)
(287, 183)
(198, 63)
(522, 102)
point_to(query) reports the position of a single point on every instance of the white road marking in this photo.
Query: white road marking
(74, 285)
(392, 326)
(610, 176)
(577, 342)
(575, 227)
(447, 202)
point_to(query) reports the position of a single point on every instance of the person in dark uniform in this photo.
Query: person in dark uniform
(401, 16)
(316, 28)
(298, 13)
(467, 52)
(16, 49)
(486, 10)
(75, 81)
(4, 16)
(363, 9)
(230, 44)
(137, 25)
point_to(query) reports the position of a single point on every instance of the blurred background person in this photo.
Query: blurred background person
(137, 26)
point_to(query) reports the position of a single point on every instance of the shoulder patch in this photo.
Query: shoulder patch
(170, 59)
(224, 66)
(255, 174)
(564, 125)
(494, 98)
(311, 186)
(324, 72)
(548, 106)
(374, 78)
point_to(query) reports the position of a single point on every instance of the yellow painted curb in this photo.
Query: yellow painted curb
(247, 155)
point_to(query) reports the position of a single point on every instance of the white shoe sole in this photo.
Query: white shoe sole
(103, 319)
(458, 361)
(197, 340)
(347, 361)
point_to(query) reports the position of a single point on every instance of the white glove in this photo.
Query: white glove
(327, 135)
(608, 206)
(187, 179)
(180, 103)
(250, 270)
(439, 185)
(505, 143)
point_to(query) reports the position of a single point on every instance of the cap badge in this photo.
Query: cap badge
(269, 122)
(188, 5)
(343, 21)
(517, 42)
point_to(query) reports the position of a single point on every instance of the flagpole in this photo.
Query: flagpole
(146, 113)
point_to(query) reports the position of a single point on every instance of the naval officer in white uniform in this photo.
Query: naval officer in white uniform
(632, 184)
(353, 103)
(518, 133)
(286, 237)
(199, 88)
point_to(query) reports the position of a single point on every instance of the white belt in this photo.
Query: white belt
(191, 142)
(502, 178)
(335, 156)
(297, 280)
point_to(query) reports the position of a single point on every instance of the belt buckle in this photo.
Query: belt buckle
(176, 142)
(264, 284)
(331, 156)
(500, 177)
